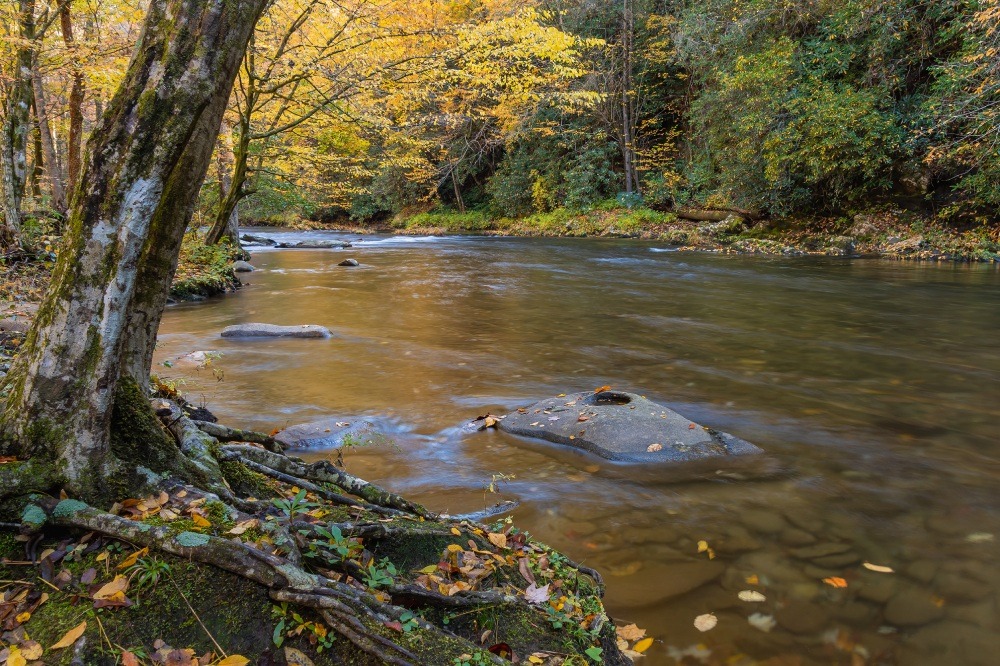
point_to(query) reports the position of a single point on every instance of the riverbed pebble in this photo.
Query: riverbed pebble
(912, 607)
(802, 617)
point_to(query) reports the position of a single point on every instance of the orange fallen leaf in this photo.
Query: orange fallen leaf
(601, 389)
(133, 558)
(70, 636)
(834, 581)
(233, 660)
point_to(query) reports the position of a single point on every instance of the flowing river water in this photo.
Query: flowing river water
(873, 386)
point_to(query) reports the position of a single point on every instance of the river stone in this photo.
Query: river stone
(624, 427)
(325, 433)
(243, 266)
(796, 537)
(802, 617)
(912, 607)
(656, 583)
(949, 643)
(275, 331)
(760, 520)
(820, 550)
(837, 561)
(349, 262)
(250, 239)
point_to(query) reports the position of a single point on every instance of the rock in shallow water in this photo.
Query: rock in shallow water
(275, 331)
(623, 426)
(243, 266)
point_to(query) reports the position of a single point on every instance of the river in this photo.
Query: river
(874, 386)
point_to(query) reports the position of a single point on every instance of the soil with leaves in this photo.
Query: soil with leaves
(285, 562)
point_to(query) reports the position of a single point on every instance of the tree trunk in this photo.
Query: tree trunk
(226, 223)
(76, 95)
(63, 384)
(53, 174)
(13, 143)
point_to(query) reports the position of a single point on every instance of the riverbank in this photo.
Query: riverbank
(889, 233)
(202, 271)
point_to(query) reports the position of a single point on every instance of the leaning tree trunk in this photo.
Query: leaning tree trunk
(232, 188)
(63, 385)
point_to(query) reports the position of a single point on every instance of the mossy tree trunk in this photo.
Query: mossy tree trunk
(149, 147)
(14, 133)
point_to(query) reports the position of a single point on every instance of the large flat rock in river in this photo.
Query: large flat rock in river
(329, 433)
(275, 331)
(623, 426)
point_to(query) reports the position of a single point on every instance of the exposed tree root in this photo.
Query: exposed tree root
(320, 553)
(324, 472)
(227, 434)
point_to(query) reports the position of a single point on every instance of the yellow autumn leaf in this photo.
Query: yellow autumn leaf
(15, 658)
(199, 521)
(233, 660)
(429, 569)
(456, 531)
(23, 617)
(642, 645)
(70, 637)
(133, 558)
(119, 584)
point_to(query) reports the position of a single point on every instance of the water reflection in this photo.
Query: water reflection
(875, 388)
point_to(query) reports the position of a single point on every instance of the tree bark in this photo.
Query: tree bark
(13, 143)
(63, 384)
(75, 104)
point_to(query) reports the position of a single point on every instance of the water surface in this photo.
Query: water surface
(874, 385)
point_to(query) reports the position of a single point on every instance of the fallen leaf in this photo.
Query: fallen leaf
(835, 581)
(70, 636)
(129, 659)
(701, 623)
(133, 558)
(456, 531)
(601, 389)
(15, 658)
(200, 521)
(22, 617)
(630, 632)
(118, 585)
(753, 579)
(979, 537)
(763, 622)
(645, 643)
(497, 539)
(878, 568)
(31, 650)
(751, 595)
(233, 660)
(536, 595)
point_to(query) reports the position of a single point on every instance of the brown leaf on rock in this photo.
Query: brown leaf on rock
(630, 632)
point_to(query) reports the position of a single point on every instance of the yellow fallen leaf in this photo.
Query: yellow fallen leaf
(642, 645)
(752, 580)
(131, 559)
(456, 531)
(119, 584)
(23, 617)
(429, 569)
(70, 637)
(233, 660)
(497, 539)
(103, 555)
(15, 658)
(535, 660)
(877, 567)
(200, 521)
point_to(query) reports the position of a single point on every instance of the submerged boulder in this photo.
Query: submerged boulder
(330, 433)
(275, 331)
(624, 427)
